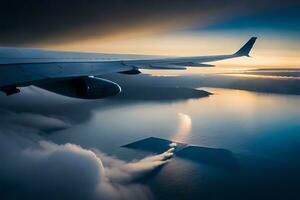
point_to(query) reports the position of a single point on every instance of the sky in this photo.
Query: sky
(179, 28)
(53, 146)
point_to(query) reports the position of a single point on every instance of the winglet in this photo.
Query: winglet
(245, 50)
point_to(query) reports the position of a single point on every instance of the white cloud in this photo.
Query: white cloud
(32, 168)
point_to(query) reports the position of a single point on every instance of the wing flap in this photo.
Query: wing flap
(167, 67)
(194, 64)
(156, 66)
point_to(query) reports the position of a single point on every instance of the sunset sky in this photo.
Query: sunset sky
(92, 127)
(162, 28)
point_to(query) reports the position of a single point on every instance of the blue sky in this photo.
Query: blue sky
(277, 21)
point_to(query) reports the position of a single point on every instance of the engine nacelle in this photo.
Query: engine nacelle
(84, 88)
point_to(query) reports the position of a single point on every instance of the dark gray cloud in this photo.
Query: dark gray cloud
(44, 21)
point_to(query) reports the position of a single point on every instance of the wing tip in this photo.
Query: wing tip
(245, 50)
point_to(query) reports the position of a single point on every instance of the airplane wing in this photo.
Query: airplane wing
(69, 73)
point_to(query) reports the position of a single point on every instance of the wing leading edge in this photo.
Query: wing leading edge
(197, 61)
(23, 67)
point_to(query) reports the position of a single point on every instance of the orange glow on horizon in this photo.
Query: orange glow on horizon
(269, 52)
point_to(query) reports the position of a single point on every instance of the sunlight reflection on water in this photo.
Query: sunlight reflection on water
(184, 128)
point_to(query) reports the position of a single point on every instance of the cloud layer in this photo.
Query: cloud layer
(32, 168)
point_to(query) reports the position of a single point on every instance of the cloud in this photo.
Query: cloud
(32, 168)
(33, 121)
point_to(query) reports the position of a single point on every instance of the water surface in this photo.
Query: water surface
(262, 131)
